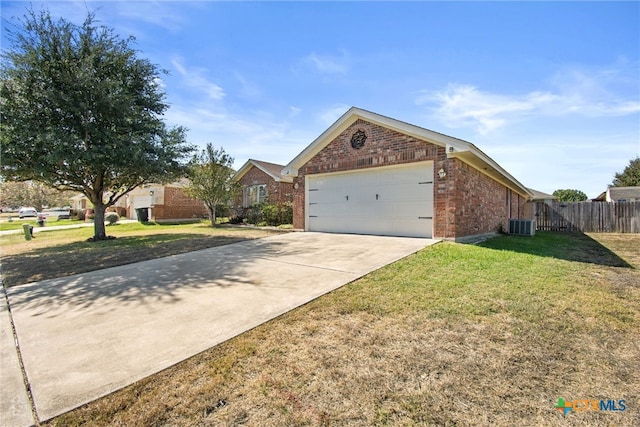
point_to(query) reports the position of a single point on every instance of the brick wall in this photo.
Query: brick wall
(177, 205)
(481, 204)
(383, 147)
(466, 202)
(276, 191)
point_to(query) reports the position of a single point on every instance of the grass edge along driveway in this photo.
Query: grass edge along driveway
(59, 253)
(455, 334)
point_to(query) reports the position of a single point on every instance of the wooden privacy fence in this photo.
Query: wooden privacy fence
(597, 217)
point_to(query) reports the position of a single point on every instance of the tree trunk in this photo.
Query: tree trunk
(99, 232)
(212, 215)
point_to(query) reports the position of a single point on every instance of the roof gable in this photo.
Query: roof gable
(272, 169)
(454, 147)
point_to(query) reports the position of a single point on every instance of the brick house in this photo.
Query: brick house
(164, 203)
(371, 174)
(262, 182)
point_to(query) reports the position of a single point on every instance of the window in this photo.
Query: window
(254, 194)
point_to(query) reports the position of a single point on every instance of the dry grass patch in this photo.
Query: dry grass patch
(453, 335)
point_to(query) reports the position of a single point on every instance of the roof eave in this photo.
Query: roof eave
(253, 163)
(242, 171)
(486, 165)
(355, 113)
(454, 147)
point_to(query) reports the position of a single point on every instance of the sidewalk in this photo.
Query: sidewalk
(60, 227)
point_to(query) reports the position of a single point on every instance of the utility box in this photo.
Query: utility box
(522, 227)
(28, 231)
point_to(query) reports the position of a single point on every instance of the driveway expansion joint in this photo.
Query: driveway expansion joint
(299, 264)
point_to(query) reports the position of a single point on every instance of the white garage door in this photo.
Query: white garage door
(395, 201)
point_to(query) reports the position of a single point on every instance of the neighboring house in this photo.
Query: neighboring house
(371, 174)
(619, 194)
(80, 202)
(155, 202)
(261, 182)
(164, 203)
(539, 196)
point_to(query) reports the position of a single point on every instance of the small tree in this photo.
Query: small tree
(81, 112)
(630, 176)
(570, 195)
(210, 173)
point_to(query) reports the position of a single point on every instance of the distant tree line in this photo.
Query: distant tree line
(32, 194)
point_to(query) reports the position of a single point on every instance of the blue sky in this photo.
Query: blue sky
(550, 90)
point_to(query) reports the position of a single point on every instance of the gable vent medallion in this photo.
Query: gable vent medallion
(358, 139)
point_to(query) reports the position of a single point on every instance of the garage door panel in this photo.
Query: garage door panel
(397, 201)
(419, 207)
(412, 228)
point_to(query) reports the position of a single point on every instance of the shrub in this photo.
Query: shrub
(81, 214)
(254, 214)
(111, 218)
(223, 211)
(271, 214)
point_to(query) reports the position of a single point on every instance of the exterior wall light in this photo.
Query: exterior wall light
(151, 193)
(442, 173)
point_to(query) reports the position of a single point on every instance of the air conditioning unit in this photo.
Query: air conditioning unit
(522, 227)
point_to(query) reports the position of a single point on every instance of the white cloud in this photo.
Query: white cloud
(329, 64)
(574, 92)
(465, 105)
(163, 14)
(294, 111)
(243, 135)
(590, 93)
(329, 115)
(195, 78)
(248, 89)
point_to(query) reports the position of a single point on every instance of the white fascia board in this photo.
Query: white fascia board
(476, 152)
(247, 166)
(354, 114)
(243, 170)
(291, 169)
(452, 145)
(415, 131)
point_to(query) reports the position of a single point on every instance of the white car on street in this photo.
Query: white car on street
(25, 212)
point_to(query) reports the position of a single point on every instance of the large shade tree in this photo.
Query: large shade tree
(210, 175)
(81, 111)
(630, 176)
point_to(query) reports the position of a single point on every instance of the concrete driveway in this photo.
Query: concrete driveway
(87, 335)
